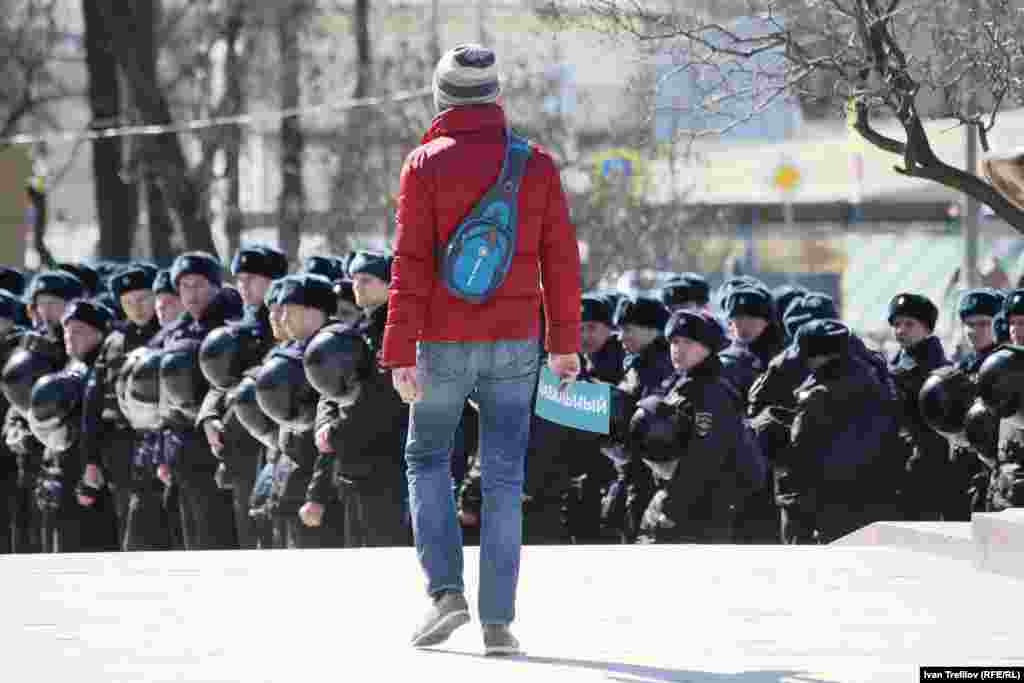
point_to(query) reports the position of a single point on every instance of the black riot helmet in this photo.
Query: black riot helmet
(284, 393)
(26, 365)
(335, 360)
(145, 376)
(227, 352)
(181, 382)
(249, 413)
(981, 429)
(1000, 379)
(657, 431)
(54, 413)
(138, 388)
(945, 398)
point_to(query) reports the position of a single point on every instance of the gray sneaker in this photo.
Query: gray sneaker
(448, 612)
(498, 640)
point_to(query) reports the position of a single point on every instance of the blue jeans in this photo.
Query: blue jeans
(502, 378)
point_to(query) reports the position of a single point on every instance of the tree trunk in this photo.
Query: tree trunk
(117, 201)
(132, 29)
(160, 225)
(292, 201)
(234, 95)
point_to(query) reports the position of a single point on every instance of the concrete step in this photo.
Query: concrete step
(999, 541)
(643, 614)
(946, 539)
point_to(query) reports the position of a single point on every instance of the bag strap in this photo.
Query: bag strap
(513, 168)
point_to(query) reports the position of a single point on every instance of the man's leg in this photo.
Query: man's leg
(505, 396)
(447, 375)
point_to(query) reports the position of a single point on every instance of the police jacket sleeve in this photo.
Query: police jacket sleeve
(91, 442)
(710, 449)
(214, 406)
(413, 268)
(812, 434)
(328, 414)
(559, 267)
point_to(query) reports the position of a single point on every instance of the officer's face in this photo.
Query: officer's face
(687, 353)
(908, 331)
(370, 290)
(302, 322)
(168, 307)
(80, 339)
(1016, 328)
(252, 287)
(979, 331)
(139, 306)
(48, 309)
(636, 338)
(593, 336)
(277, 322)
(196, 293)
(747, 328)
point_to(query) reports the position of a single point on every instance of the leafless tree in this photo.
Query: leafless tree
(907, 59)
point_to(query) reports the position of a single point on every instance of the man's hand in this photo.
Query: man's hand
(565, 365)
(311, 514)
(214, 430)
(163, 473)
(92, 482)
(407, 384)
(323, 440)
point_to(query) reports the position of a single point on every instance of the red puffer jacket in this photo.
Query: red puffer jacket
(459, 159)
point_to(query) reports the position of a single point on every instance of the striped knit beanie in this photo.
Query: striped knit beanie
(467, 74)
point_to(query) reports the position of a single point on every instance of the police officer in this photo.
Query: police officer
(206, 516)
(692, 440)
(78, 515)
(47, 297)
(362, 443)
(966, 489)
(603, 356)
(116, 439)
(912, 318)
(756, 339)
(254, 267)
(648, 365)
(687, 291)
(782, 298)
(1006, 487)
(285, 395)
(840, 472)
(10, 335)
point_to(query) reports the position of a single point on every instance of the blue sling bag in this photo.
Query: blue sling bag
(479, 251)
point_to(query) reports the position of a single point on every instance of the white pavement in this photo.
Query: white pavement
(623, 613)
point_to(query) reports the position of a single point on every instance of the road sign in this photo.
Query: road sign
(786, 177)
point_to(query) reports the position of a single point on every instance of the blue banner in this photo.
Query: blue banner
(580, 405)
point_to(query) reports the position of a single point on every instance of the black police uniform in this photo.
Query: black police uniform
(364, 475)
(840, 473)
(10, 497)
(67, 525)
(115, 441)
(699, 489)
(966, 488)
(646, 373)
(297, 458)
(207, 517)
(28, 451)
(927, 451)
(242, 454)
